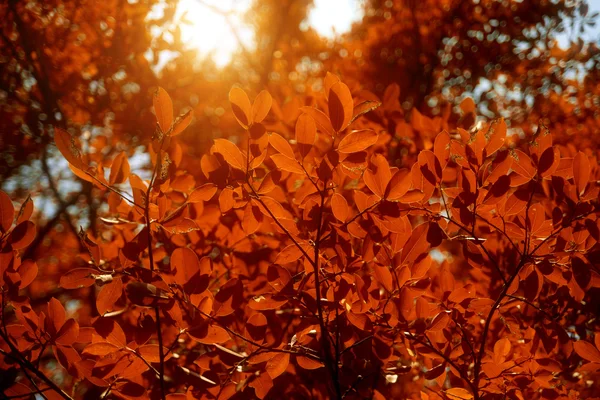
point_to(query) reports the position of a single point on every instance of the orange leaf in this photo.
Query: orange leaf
(181, 122)
(119, 170)
(281, 144)
(261, 106)
(440, 321)
(68, 333)
(384, 277)
(209, 334)
(357, 141)
(163, 108)
(587, 351)
(306, 133)
(24, 212)
(100, 349)
(22, 235)
(441, 148)
(68, 148)
(378, 176)
(151, 353)
(399, 185)
(240, 103)
(231, 153)
(458, 394)
(78, 278)
(322, 120)
(581, 171)
(308, 363)
(261, 384)
(549, 161)
(339, 206)
(467, 105)
(341, 106)
(288, 254)
(495, 136)
(108, 296)
(287, 164)
(202, 193)
(28, 271)
(523, 165)
(278, 364)
(501, 349)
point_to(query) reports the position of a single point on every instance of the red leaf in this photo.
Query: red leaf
(384, 277)
(523, 165)
(496, 135)
(7, 212)
(308, 363)
(398, 185)
(587, 351)
(78, 278)
(581, 171)
(68, 333)
(467, 105)
(416, 245)
(441, 148)
(339, 207)
(151, 353)
(278, 364)
(100, 349)
(501, 350)
(207, 333)
(378, 176)
(108, 296)
(440, 321)
(28, 270)
(261, 384)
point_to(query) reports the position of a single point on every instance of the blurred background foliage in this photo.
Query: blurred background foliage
(91, 67)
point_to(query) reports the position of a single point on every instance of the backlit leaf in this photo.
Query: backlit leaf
(261, 106)
(163, 108)
(341, 106)
(240, 103)
(581, 171)
(357, 141)
(231, 153)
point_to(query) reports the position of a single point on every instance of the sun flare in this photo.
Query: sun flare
(217, 28)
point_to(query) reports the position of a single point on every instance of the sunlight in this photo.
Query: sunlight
(216, 28)
(334, 17)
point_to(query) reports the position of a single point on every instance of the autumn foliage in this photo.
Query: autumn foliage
(307, 263)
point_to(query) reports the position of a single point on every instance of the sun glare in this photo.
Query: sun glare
(216, 28)
(334, 17)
